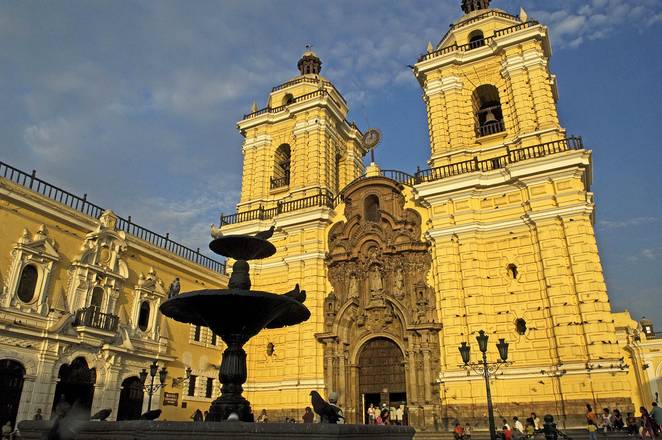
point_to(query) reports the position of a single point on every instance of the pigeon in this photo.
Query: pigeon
(299, 295)
(215, 232)
(265, 235)
(102, 415)
(151, 415)
(326, 411)
(174, 288)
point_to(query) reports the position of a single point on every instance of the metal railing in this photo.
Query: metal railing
(279, 182)
(82, 205)
(473, 45)
(496, 126)
(93, 317)
(327, 199)
(280, 108)
(304, 79)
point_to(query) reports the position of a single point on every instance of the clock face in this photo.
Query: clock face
(371, 138)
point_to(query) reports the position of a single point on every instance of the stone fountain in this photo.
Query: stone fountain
(235, 314)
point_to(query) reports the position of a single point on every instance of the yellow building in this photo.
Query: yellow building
(400, 269)
(80, 290)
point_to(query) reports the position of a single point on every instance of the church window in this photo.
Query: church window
(281, 175)
(337, 174)
(196, 333)
(209, 389)
(27, 283)
(520, 326)
(97, 297)
(487, 110)
(213, 338)
(288, 99)
(191, 385)
(143, 316)
(476, 39)
(371, 208)
(512, 271)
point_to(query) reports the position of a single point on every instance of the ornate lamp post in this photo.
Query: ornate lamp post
(487, 369)
(152, 388)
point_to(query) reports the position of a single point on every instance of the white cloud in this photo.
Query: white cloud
(627, 223)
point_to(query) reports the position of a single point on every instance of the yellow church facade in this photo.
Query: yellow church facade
(401, 268)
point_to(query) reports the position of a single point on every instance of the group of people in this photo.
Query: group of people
(387, 415)
(308, 417)
(648, 425)
(518, 430)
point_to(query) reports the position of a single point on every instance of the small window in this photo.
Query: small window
(282, 157)
(97, 297)
(371, 206)
(191, 385)
(210, 387)
(520, 326)
(512, 271)
(213, 338)
(143, 316)
(288, 99)
(27, 284)
(196, 333)
(476, 39)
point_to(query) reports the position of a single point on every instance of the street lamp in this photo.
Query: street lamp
(487, 369)
(152, 388)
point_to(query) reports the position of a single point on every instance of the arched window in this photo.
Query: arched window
(288, 99)
(487, 110)
(27, 284)
(476, 39)
(143, 316)
(97, 298)
(337, 174)
(281, 175)
(371, 208)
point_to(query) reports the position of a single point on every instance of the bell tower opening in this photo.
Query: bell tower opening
(381, 375)
(487, 110)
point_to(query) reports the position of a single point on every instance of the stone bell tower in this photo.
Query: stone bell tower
(299, 151)
(511, 225)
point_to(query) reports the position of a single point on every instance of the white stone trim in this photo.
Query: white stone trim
(305, 384)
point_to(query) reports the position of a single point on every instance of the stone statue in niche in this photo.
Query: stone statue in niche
(353, 289)
(375, 280)
(399, 283)
(421, 305)
(330, 308)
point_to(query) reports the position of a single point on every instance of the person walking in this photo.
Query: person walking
(308, 415)
(37, 415)
(371, 414)
(656, 416)
(647, 431)
(592, 423)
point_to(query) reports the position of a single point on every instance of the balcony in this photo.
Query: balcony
(92, 317)
(490, 128)
(281, 182)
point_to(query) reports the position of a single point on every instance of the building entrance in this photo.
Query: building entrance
(11, 385)
(75, 385)
(381, 376)
(131, 399)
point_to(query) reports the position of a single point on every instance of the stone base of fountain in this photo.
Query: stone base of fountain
(146, 430)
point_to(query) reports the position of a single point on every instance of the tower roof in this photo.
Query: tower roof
(309, 63)
(474, 5)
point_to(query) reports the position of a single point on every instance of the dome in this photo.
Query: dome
(309, 63)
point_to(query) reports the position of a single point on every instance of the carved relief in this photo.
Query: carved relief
(147, 297)
(378, 265)
(97, 273)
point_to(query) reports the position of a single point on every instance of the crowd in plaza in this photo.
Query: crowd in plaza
(648, 425)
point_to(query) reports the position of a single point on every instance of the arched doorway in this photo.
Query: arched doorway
(75, 384)
(11, 385)
(131, 399)
(381, 374)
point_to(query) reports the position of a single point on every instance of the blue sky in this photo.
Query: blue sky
(135, 102)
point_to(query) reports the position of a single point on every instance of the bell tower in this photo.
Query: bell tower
(487, 85)
(300, 144)
(299, 152)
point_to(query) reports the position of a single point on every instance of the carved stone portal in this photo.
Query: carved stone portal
(378, 267)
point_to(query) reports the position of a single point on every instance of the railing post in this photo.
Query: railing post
(260, 213)
(197, 255)
(32, 177)
(476, 163)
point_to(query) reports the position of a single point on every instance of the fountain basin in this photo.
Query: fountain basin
(228, 312)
